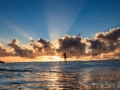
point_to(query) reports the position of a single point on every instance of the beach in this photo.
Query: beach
(73, 75)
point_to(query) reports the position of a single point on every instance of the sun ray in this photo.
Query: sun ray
(60, 21)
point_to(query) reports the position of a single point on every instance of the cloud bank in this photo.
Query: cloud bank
(104, 45)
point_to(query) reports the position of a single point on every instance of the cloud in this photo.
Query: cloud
(104, 45)
(45, 44)
(72, 45)
(96, 46)
(105, 42)
(2, 50)
(42, 47)
(21, 51)
(5, 51)
(113, 35)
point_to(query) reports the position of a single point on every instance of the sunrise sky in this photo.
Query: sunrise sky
(41, 30)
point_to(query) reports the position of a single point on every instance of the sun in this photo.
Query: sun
(49, 58)
(53, 58)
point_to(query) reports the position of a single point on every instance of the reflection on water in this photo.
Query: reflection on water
(60, 76)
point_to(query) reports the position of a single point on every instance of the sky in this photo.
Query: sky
(27, 25)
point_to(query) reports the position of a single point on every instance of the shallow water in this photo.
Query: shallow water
(74, 75)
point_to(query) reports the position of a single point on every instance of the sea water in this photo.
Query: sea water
(73, 75)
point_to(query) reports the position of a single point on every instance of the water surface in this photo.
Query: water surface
(74, 75)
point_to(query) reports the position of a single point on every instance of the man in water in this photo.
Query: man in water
(64, 55)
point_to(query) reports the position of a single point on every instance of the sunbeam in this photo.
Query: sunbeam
(60, 16)
(19, 30)
(4, 40)
(16, 28)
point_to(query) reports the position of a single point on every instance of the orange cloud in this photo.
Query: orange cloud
(105, 45)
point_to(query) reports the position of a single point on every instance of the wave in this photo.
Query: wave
(14, 70)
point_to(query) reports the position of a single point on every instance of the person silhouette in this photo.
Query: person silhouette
(65, 57)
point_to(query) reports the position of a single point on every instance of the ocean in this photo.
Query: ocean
(73, 75)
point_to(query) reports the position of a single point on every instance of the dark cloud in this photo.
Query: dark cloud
(42, 47)
(102, 45)
(105, 42)
(5, 51)
(72, 45)
(45, 44)
(97, 47)
(37, 47)
(113, 35)
(19, 50)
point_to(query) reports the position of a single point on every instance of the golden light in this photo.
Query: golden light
(48, 58)
(53, 58)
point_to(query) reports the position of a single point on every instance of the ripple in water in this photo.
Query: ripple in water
(77, 75)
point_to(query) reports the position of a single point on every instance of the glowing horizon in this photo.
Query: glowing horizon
(76, 48)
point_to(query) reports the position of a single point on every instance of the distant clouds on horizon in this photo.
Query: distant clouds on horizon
(104, 45)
